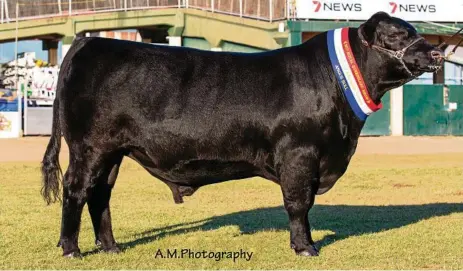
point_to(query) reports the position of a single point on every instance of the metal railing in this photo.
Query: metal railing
(267, 10)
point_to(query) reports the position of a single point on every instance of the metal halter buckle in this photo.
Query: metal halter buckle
(399, 54)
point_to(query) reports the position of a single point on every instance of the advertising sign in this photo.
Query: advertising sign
(410, 10)
(9, 116)
(9, 124)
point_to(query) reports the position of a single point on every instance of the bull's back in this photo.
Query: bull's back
(164, 83)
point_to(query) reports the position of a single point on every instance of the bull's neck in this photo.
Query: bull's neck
(374, 68)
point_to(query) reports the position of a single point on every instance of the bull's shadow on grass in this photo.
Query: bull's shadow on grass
(343, 220)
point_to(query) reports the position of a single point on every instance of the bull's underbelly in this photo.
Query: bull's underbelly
(203, 171)
(198, 172)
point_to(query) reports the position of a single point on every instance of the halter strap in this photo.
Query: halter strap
(399, 54)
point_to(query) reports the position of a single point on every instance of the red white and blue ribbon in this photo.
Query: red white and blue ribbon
(348, 74)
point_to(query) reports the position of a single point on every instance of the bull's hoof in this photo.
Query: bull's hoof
(312, 251)
(73, 255)
(113, 250)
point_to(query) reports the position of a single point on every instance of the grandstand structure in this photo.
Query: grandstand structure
(252, 26)
(230, 25)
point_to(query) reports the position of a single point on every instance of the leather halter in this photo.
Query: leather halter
(399, 54)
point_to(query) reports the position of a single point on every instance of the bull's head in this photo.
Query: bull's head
(402, 49)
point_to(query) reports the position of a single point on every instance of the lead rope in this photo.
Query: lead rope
(447, 40)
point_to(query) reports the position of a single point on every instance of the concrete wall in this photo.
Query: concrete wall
(203, 44)
(236, 47)
(198, 43)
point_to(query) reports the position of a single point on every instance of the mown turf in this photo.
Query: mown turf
(387, 212)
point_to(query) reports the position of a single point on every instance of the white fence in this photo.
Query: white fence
(268, 10)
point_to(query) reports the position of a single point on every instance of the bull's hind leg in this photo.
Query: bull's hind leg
(98, 205)
(85, 166)
(299, 183)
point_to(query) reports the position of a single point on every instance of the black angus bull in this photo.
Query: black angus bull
(193, 118)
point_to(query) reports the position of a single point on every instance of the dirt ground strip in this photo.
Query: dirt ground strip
(32, 148)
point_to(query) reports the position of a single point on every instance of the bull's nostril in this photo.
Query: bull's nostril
(438, 55)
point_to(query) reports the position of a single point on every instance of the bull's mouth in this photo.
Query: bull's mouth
(430, 68)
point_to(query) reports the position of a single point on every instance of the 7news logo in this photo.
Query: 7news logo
(336, 6)
(412, 8)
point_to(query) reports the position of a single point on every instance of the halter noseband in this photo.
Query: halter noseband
(399, 54)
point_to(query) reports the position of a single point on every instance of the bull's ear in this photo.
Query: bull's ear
(367, 30)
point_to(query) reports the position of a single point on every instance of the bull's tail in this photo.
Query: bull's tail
(51, 169)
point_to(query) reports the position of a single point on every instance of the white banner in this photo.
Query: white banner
(410, 10)
(9, 124)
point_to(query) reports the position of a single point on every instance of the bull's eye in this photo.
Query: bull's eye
(393, 36)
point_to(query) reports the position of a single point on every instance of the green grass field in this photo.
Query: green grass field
(387, 212)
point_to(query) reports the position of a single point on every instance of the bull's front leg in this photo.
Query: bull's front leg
(299, 184)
